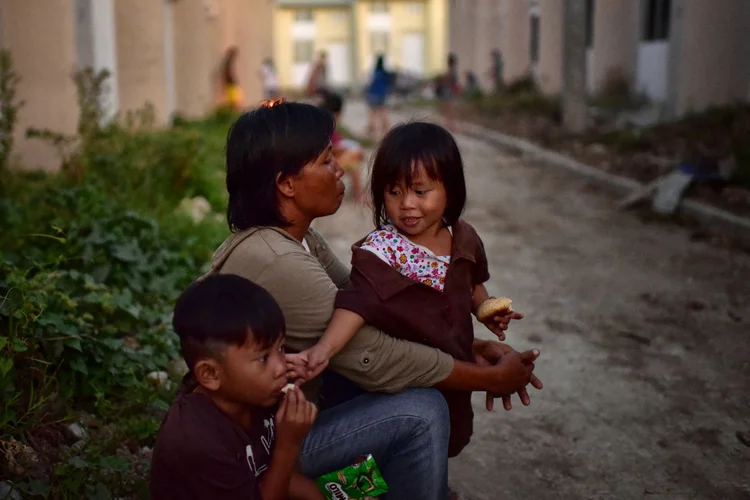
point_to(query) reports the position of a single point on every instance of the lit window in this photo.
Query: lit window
(415, 7)
(303, 15)
(379, 42)
(303, 51)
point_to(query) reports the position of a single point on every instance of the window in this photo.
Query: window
(339, 15)
(379, 42)
(303, 15)
(534, 45)
(379, 7)
(656, 20)
(415, 8)
(303, 51)
(590, 6)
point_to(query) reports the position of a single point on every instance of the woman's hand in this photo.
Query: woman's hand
(490, 353)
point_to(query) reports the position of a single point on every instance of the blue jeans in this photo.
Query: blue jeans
(406, 433)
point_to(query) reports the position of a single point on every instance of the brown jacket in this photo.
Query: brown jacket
(416, 312)
(305, 286)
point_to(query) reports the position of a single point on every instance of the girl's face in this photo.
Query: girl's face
(417, 209)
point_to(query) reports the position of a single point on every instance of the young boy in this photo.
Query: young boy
(220, 438)
(348, 152)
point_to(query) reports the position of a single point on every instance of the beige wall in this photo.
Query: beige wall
(197, 58)
(476, 28)
(247, 24)
(616, 37)
(516, 36)
(41, 37)
(713, 55)
(141, 65)
(551, 37)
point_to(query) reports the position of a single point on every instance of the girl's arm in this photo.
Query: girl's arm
(342, 328)
(479, 296)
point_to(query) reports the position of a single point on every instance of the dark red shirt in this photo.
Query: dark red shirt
(201, 453)
(413, 311)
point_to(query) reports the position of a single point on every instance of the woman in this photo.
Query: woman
(377, 93)
(281, 175)
(448, 90)
(231, 91)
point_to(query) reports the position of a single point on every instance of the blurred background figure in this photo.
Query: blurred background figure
(472, 91)
(232, 96)
(448, 88)
(377, 94)
(348, 152)
(318, 82)
(496, 70)
(269, 79)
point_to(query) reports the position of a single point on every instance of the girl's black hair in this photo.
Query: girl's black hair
(222, 310)
(380, 63)
(404, 148)
(263, 144)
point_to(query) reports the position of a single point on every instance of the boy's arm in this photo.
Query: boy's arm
(276, 482)
(294, 418)
(304, 488)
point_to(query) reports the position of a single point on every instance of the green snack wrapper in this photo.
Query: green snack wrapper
(362, 480)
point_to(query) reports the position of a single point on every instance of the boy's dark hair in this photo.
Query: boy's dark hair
(222, 310)
(332, 102)
(273, 140)
(402, 149)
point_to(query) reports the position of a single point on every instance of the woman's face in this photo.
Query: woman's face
(318, 188)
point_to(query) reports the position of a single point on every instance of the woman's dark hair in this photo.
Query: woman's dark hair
(418, 143)
(452, 59)
(263, 144)
(222, 310)
(380, 63)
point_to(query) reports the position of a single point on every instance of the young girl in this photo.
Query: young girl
(421, 272)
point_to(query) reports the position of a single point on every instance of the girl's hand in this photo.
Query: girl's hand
(317, 357)
(499, 324)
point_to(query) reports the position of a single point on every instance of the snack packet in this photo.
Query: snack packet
(361, 480)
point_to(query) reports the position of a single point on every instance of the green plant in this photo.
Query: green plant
(91, 261)
(8, 109)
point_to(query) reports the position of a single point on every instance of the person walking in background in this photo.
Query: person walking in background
(348, 152)
(232, 96)
(448, 89)
(318, 82)
(472, 91)
(377, 93)
(269, 79)
(496, 70)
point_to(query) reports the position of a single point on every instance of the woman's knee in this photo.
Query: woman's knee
(431, 411)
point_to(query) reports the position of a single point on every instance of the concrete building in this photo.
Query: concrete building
(412, 34)
(683, 54)
(166, 52)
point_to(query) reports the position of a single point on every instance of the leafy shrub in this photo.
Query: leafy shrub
(91, 261)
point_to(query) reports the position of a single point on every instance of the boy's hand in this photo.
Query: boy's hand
(498, 324)
(294, 418)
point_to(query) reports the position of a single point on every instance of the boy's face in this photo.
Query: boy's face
(252, 375)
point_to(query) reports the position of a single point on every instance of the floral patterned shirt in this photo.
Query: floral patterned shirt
(413, 261)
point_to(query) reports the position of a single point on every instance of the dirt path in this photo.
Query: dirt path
(645, 340)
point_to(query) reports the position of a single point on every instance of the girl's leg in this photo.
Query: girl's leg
(384, 123)
(406, 433)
